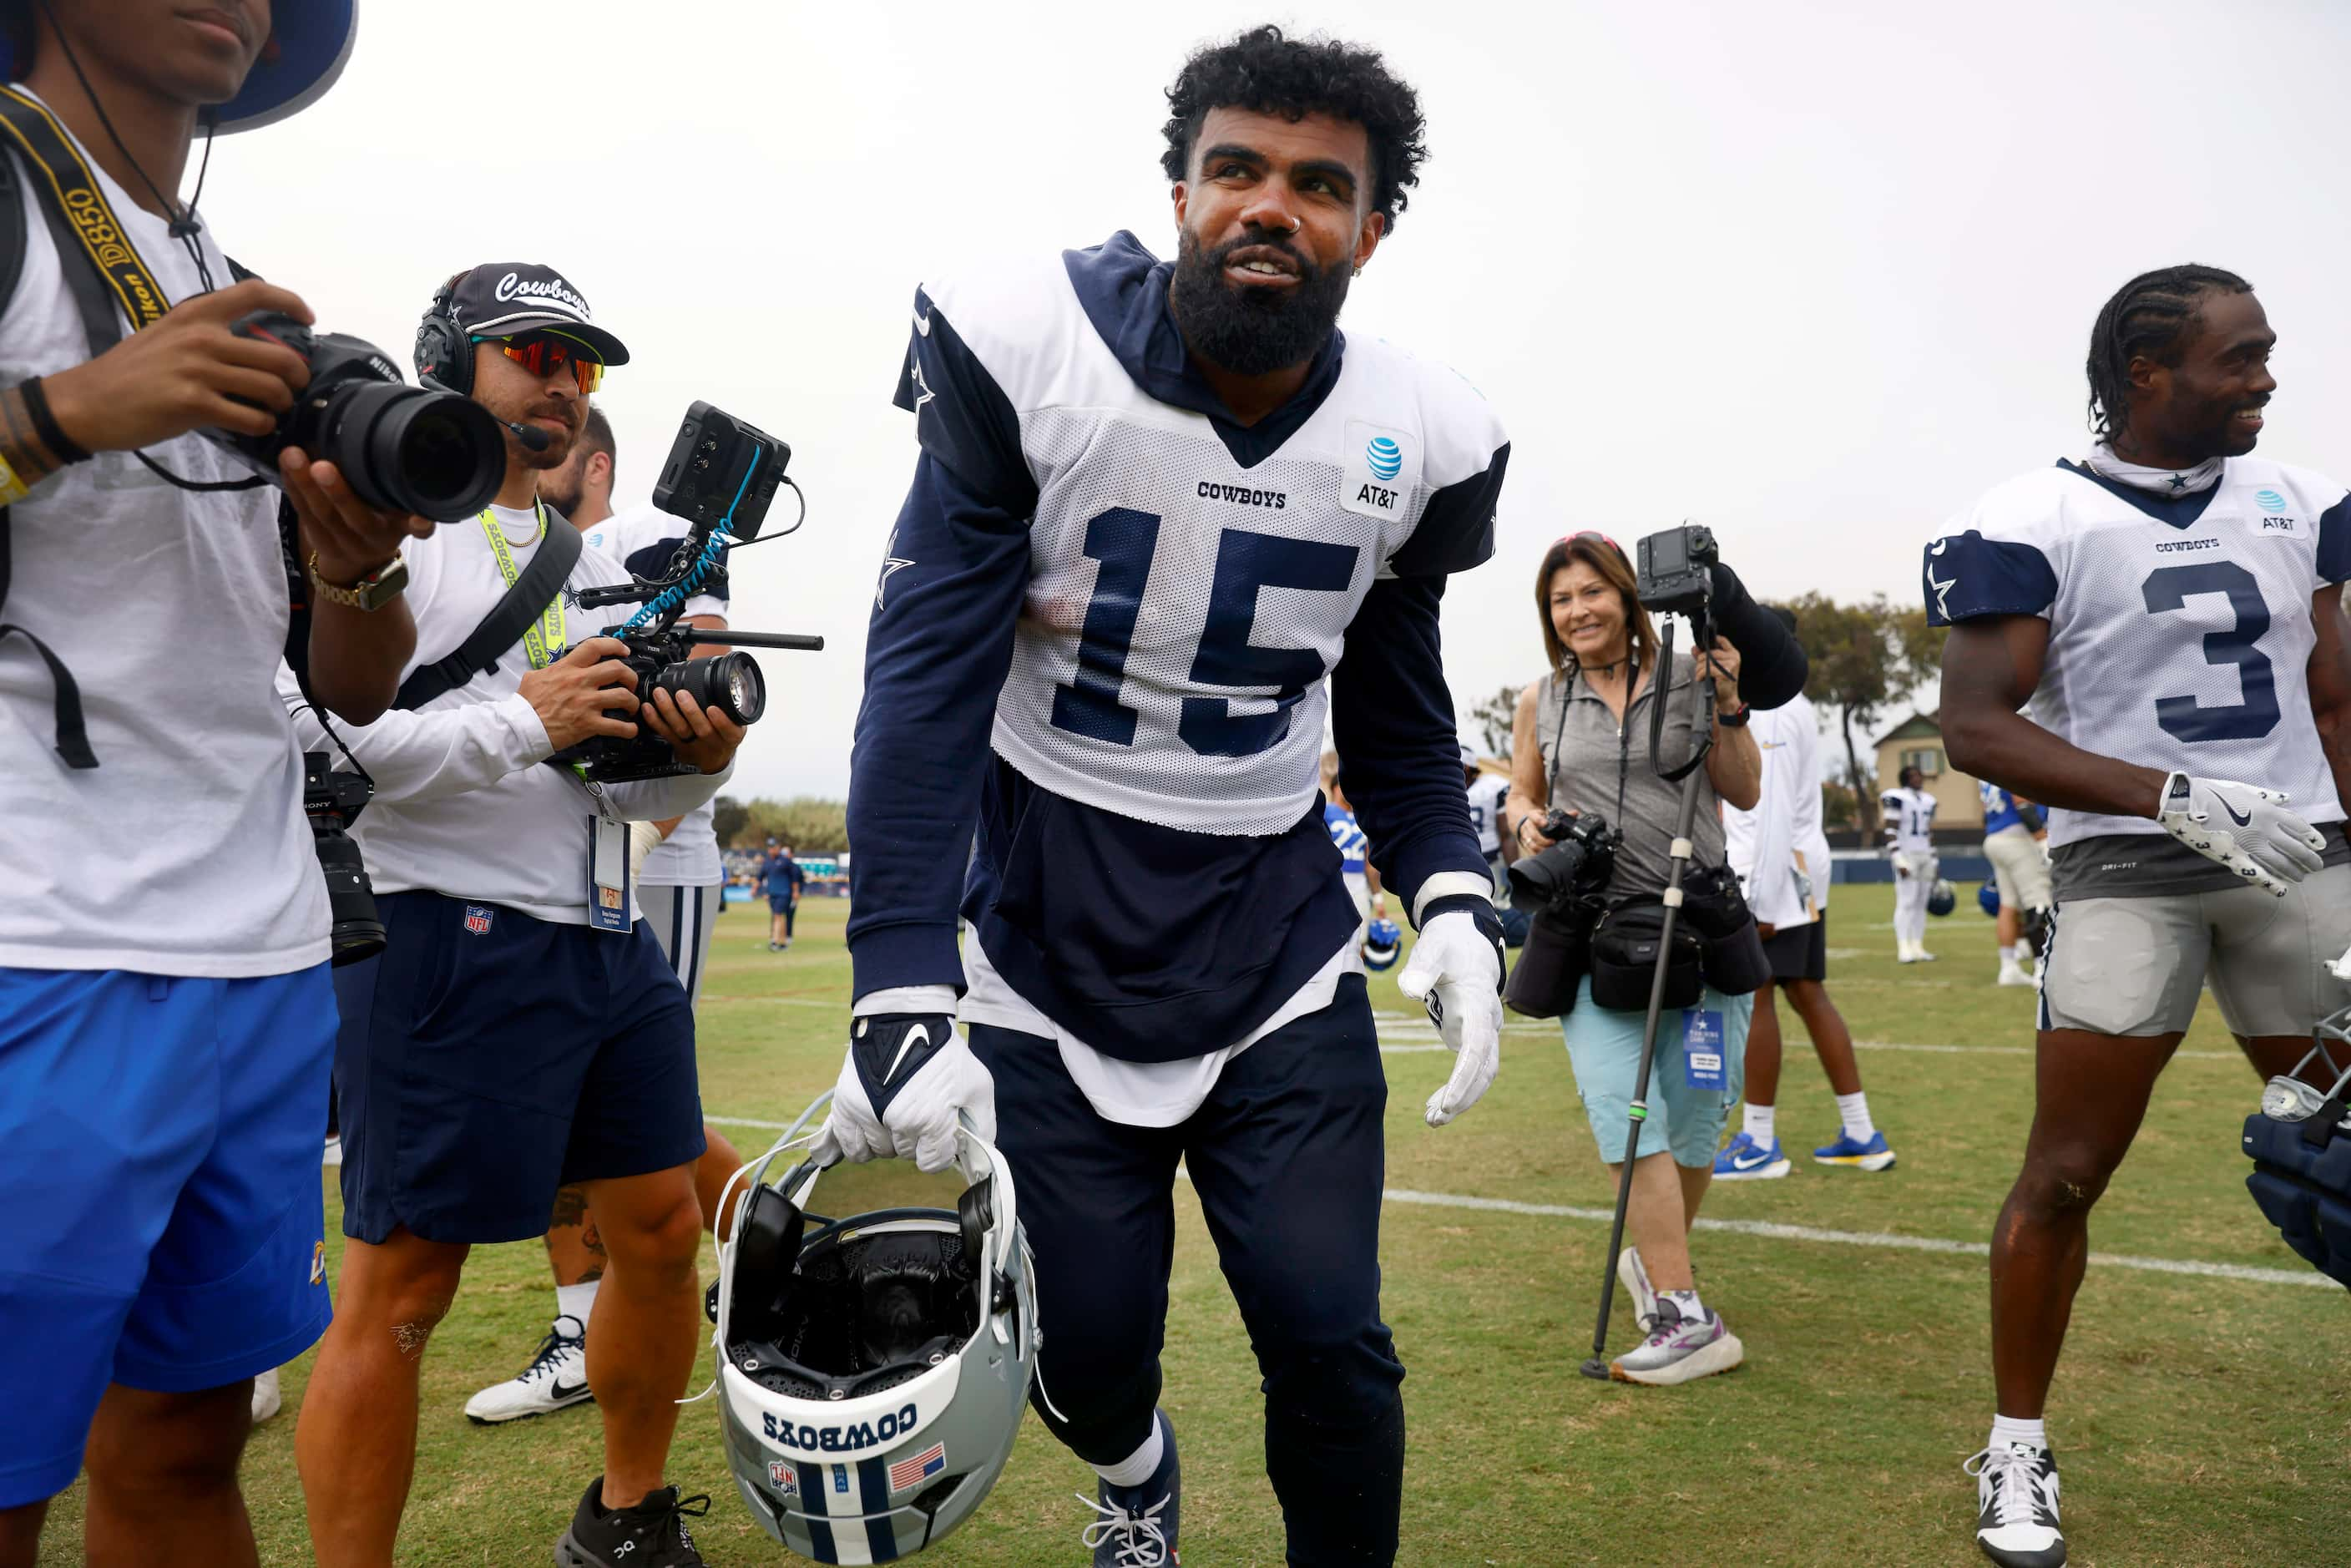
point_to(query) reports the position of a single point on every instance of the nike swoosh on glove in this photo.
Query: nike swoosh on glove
(2242, 827)
(1456, 972)
(907, 1073)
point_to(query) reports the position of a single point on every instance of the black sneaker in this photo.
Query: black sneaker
(649, 1535)
(2016, 1503)
(1138, 1524)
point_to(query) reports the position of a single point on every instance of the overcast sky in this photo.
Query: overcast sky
(1813, 274)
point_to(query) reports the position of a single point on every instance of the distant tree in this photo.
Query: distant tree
(1493, 718)
(1865, 658)
(809, 825)
(1837, 808)
(728, 818)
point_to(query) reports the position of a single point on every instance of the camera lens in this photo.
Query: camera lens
(357, 932)
(433, 453)
(728, 682)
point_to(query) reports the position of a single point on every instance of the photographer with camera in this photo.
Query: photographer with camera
(165, 1017)
(521, 1030)
(1593, 823)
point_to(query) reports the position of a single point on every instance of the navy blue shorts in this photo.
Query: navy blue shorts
(162, 1223)
(780, 903)
(487, 1058)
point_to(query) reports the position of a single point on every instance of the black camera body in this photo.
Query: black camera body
(332, 802)
(434, 454)
(721, 475)
(1564, 889)
(1676, 574)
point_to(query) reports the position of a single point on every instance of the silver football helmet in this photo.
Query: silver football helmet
(872, 1371)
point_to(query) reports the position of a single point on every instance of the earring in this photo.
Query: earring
(1359, 271)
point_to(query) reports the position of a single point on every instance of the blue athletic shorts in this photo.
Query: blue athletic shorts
(487, 1058)
(780, 903)
(1603, 1047)
(161, 1218)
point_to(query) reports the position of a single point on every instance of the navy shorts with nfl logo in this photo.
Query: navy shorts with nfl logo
(487, 1058)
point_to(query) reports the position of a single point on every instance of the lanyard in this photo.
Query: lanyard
(543, 639)
(76, 193)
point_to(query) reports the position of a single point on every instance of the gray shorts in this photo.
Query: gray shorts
(2135, 966)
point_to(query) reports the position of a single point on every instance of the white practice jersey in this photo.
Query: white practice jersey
(1909, 819)
(644, 538)
(2180, 628)
(1486, 796)
(1183, 606)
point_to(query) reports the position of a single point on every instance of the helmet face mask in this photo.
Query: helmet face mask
(873, 1371)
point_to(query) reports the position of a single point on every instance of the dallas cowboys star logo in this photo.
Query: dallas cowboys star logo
(2179, 481)
(921, 386)
(894, 562)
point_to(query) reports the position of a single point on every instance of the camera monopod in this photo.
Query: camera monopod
(1687, 772)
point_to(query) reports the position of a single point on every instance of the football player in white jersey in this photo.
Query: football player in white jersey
(676, 870)
(1156, 505)
(2171, 607)
(1910, 827)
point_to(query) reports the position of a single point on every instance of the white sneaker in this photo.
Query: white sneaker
(266, 1398)
(1919, 955)
(334, 1151)
(1636, 1281)
(556, 1379)
(2016, 1503)
(1678, 1350)
(2012, 975)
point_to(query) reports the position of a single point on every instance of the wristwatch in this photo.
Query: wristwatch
(1738, 720)
(373, 591)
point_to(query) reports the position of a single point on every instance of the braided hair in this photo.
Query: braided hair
(2149, 315)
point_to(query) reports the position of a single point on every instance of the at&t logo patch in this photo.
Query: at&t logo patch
(1383, 468)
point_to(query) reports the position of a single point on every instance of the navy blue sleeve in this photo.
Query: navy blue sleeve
(2334, 542)
(1399, 750)
(1968, 575)
(1456, 531)
(937, 646)
(961, 416)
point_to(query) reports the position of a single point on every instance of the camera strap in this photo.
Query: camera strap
(533, 603)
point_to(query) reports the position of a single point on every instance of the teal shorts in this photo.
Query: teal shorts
(1603, 1047)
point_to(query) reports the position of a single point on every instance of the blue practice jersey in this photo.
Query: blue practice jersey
(1998, 807)
(1347, 836)
(2179, 627)
(1102, 630)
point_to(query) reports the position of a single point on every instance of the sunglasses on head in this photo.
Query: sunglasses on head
(1592, 534)
(544, 354)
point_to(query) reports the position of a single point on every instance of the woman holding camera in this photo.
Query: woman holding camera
(1580, 744)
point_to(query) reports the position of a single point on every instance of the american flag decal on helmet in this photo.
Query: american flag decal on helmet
(907, 1474)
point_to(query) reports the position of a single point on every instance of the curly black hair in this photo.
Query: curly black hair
(1267, 71)
(2149, 315)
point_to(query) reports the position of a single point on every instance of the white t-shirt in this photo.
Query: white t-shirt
(462, 805)
(1486, 795)
(644, 538)
(1760, 844)
(1811, 841)
(184, 851)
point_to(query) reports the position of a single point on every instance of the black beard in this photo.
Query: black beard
(550, 490)
(1253, 332)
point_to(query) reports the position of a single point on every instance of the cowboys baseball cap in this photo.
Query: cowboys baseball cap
(309, 43)
(509, 299)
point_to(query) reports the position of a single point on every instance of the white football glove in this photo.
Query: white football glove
(908, 1073)
(2242, 827)
(1456, 971)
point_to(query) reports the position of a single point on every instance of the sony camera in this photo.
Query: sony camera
(1676, 574)
(721, 475)
(332, 802)
(1563, 889)
(433, 453)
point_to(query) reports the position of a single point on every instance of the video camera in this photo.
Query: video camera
(433, 453)
(721, 475)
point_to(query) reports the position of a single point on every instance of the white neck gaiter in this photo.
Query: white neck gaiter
(2155, 481)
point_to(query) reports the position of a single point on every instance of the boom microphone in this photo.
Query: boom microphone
(529, 435)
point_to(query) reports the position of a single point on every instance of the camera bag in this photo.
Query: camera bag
(1730, 950)
(1551, 967)
(1624, 947)
(523, 603)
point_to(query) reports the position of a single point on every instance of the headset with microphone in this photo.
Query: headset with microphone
(444, 357)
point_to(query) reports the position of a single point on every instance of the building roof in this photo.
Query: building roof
(1917, 727)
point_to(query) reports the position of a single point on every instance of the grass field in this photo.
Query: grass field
(2202, 1418)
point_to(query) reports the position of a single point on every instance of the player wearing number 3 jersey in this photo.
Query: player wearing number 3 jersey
(2171, 607)
(1156, 505)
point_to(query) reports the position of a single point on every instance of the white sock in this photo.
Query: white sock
(1692, 1309)
(2007, 1430)
(1853, 1111)
(1137, 1467)
(577, 1301)
(1758, 1121)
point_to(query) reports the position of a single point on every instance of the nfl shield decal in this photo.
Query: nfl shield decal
(908, 1474)
(477, 920)
(785, 1477)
